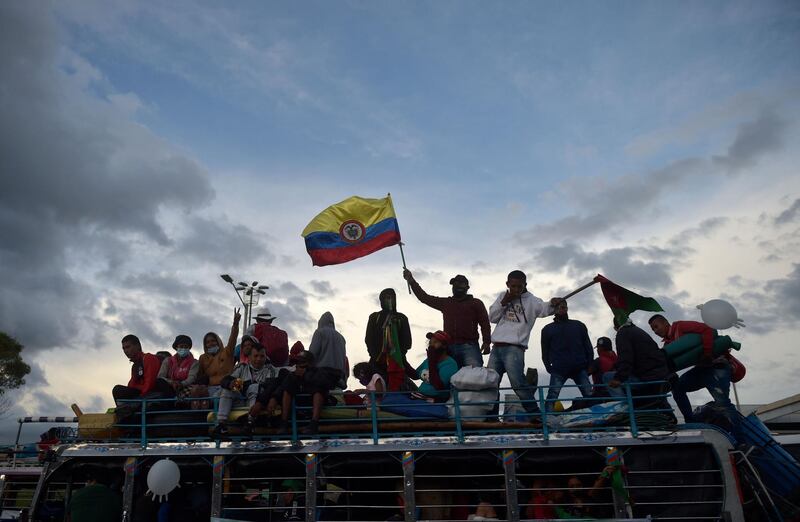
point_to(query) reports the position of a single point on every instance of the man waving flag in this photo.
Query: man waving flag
(351, 229)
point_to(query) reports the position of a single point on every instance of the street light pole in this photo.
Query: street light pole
(253, 291)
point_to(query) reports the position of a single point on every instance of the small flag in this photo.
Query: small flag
(351, 229)
(623, 302)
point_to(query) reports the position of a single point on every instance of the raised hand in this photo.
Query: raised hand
(237, 316)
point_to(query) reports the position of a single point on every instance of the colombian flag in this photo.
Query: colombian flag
(351, 229)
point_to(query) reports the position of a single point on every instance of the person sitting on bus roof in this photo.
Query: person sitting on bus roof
(328, 348)
(604, 362)
(144, 372)
(713, 374)
(639, 359)
(514, 313)
(566, 353)
(462, 315)
(369, 376)
(95, 502)
(242, 351)
(309, 386)
(275, 340)
(243, 384)
(179, 371)
(438, 368)
(217, 360)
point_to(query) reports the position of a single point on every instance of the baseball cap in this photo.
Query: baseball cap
(440, 335)
(459, 279)
(604, 342)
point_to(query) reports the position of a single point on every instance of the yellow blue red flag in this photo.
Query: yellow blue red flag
(351, 229)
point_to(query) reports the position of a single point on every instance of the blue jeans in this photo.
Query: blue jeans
(467, 354)
(620, 391)
(557, 382)
(716, 380)
(511, 360)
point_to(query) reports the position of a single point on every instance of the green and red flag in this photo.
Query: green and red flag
(623, 302)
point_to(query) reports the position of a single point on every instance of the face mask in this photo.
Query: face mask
(387, 304)
(213, 350)
(459, 292)
(182, 352)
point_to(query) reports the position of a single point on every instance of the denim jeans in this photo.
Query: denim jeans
(467, 354)
(510, 359)
(557, 382)
(716, 380)
(227, 399)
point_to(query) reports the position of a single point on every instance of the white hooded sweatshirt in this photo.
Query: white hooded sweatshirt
(515, 320)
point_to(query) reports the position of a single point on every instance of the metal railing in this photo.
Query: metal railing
(396, 414)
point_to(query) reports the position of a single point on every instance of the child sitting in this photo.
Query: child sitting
(368, 375)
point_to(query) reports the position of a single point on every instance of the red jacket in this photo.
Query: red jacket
(462, 317)
(144, 373)
(605, 361)
(275, 341)
(680, 328)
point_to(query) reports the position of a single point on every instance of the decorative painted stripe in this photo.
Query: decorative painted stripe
(333, 256)
(408, 459)
(320, 240)
(219, 464)
(22, 420)
(508, 457)
(311, 461)
(130, 465)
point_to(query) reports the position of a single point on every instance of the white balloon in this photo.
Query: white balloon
(163, 477)
(719, 314)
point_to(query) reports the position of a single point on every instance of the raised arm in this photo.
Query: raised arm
(234, 330)
(432, 301)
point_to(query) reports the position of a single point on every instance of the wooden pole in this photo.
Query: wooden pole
(400, 244)
(581, 289)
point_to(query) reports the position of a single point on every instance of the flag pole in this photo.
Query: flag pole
(400, 243)
(581, 289)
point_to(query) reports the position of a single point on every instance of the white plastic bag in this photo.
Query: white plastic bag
(475, 378)
(474, 404)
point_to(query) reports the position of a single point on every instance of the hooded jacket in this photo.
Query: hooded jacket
(566, 348)
(515, 320)
(328, 347)
(218, 365)
(639, 355)
(375, 324)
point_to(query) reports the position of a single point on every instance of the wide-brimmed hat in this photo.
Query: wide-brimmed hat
(264, 314)
(440, 335)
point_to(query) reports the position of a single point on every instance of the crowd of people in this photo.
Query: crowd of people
(264, 373)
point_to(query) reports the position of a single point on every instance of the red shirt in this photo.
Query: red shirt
(462, 317)
(144, 373)
(680, 328)
(275, 341)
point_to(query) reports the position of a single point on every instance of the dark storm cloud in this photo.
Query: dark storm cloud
(224, 244)
(323, 288)
(628, 265)
(83, 181)
(289, 303)
(785, 293)
(753, 140)
(788, 215)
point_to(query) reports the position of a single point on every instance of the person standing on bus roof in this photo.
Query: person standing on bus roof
(514, 312)
(329, 348)
(462, 314)
(566, 353)
(713, 374)
(389, 336)
(144, 371)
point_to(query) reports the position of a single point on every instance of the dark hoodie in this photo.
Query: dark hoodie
(328, 347)
(375, 325)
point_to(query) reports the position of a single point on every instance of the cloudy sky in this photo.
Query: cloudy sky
(146, 148)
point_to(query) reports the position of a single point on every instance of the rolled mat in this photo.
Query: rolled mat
(685, 358)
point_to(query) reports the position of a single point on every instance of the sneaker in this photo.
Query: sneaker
(220, 430)
(248, 428)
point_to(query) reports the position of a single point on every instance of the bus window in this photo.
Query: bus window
(563, 483)
(359, 486)
(675, 480)
(191, 502)
(61, 484)
(264, 488)
(455, 485)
